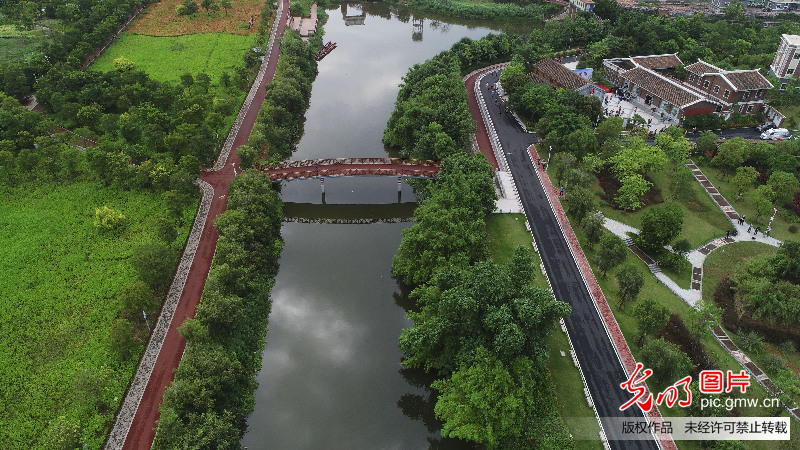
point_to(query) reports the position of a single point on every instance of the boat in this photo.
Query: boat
(327, 48)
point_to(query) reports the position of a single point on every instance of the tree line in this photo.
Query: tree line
(280, 120)
(482, 327)
(213, 391)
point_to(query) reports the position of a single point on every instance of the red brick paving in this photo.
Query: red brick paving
(142, 433)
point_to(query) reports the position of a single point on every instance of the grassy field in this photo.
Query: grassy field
(727, 260)
(60, 280)
(159, 19)
(702, 218)
(16, 43)
(506, 232)
(167, 58)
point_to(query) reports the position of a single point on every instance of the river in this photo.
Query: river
(331, 377)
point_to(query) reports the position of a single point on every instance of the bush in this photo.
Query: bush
(751, 342)
(772, 363)
(181, 10)
(675, 262)
(793, 228)
(788, 347)
(107, 219)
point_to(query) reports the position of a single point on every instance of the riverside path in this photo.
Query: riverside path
(598, 356)
(136, 421)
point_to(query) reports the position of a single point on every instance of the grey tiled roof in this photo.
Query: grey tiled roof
(658, 61)
(550, 71)
(661, 87)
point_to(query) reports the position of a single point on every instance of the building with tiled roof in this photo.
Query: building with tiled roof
(555, 74)
(706, 88)
(741, 91)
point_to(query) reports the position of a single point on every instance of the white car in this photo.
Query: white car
(776, 133)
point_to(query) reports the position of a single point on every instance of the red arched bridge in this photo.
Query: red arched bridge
(347, 167)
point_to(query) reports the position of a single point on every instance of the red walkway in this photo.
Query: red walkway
(142, 431)
(342, 167)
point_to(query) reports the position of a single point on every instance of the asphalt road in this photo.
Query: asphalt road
(601, 366)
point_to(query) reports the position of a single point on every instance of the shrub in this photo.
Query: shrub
(107, 219)
(181, 10)
(788, 347)
(793, 228)
(772, 363)
(751, 342)
(675, 262)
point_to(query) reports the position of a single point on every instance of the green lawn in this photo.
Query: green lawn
(780, 227)
(60, 280)
(506, 232)
(702, 218)
(167, 58)
(728, 259)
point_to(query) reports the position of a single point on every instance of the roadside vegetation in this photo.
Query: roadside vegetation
(445, 254)
(213, 391)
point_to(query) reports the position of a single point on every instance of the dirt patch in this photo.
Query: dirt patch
(159, 19)
(677, 333)
(610, 185)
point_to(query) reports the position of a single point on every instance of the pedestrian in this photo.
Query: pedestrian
(749, 228)
(251, 23)
(562, 191)
(743, 219)
(727, 234)
(649, 121)
(758, 228)
(766, 233)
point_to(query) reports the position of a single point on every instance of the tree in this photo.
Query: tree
(247, 156)
(489, 402)
(208, 4)
(786, 262)
(122, 341)
(630, 280)
(107, 219)
(479, 306)
(610, 253)
(731, 154)
(514, 78)
(562, 162)
(521, 269)
(191, 7)
(226, 4)
(136, 297)
(783, 186)
(580, 202)
(592, 226)
(652, 317)
(165, 230)
(668, 362)
(762, 200)
(154, 262)
(660, 226)
(634, 186)
(675, 146)
(707, 141)
(744, 179)
(609, 129)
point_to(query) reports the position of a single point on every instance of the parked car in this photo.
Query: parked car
(778, 134)
(765, 126)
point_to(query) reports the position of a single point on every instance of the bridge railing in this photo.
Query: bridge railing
(341, 161)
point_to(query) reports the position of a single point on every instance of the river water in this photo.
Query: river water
(331, 377)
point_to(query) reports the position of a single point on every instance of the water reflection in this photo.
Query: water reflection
(330, 374)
